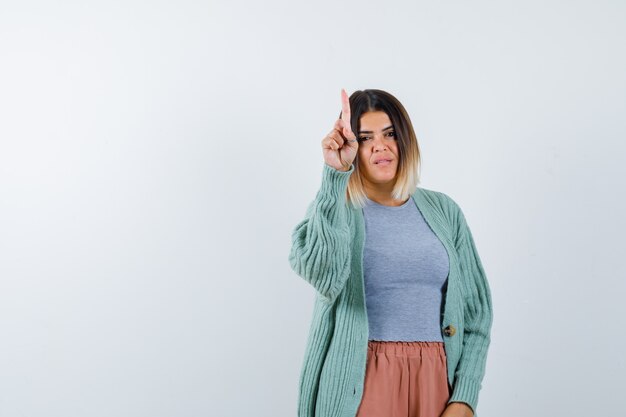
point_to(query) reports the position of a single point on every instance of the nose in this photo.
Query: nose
(379, 144)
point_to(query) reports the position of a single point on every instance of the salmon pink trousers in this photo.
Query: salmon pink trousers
(405, 379)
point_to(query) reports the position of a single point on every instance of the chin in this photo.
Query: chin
(385, 174)
(377, 176)
(384, 178)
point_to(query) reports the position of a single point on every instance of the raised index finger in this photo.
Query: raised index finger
(345, 107)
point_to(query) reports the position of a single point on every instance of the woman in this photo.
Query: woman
(402, 316)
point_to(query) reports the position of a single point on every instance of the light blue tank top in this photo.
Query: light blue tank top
(405, 269)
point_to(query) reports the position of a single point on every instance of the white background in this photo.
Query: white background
(155, 157)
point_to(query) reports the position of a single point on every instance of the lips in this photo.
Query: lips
(382, 161)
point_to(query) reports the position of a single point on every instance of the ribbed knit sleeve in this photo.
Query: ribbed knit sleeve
(320, 251)
(478, 319)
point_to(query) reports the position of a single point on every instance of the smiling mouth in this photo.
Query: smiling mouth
(383, 162)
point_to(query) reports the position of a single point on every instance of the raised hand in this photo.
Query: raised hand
(340, 146)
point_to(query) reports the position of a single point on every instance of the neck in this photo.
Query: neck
(382, 194)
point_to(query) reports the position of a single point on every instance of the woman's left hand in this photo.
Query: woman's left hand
(458, 409)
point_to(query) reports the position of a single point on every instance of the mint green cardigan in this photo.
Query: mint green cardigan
(327, 251)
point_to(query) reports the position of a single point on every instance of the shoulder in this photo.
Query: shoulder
(448, 208)
(440, 199)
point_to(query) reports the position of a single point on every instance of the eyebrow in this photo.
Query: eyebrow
(369, 131)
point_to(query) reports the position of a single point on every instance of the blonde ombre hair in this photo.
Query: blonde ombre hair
(408, 176)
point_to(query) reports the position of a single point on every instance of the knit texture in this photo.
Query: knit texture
(327, 251)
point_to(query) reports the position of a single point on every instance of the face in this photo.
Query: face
(378, 150)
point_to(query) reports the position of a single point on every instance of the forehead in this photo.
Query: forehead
(374, 120)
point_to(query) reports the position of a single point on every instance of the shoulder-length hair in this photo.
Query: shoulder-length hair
(408, 175)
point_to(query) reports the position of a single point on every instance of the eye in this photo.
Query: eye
(364, 138)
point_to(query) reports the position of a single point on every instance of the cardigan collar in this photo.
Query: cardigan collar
(426, 202)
